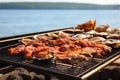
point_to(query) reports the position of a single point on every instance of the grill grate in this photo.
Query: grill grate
(59, 69)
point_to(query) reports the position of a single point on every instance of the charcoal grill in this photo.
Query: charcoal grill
(82, 70)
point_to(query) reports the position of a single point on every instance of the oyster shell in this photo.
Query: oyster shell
(47, 57)
(82, 36)
(102, 28)
(75, 31)
(116, 30)
(36, 37)
(90, 25)
(25, 41)
(98, 39)
(113, 36)
(111, 41)
(115, 43)
(92, 32)
(109, 30)
(103, 34)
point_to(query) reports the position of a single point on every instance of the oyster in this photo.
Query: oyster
(115, 31)
(109, 30)
(115, 43)
(90, 25)
(39, 56)
(92, 32)
(36, 37)
(103, 34)
(52, 35)
(114, 36)
(102, 28)
(25, 41)
(98, 39)
(82, 36)
(75, 31)
(111, 41)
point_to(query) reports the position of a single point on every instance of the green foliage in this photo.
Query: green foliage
(52, 5)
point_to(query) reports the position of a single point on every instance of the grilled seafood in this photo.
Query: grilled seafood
(82, 36)
(28, 52)
(102, 34)
(70, 55)
(90, 25)
(114, 36)
(92, 51)
(112, 42)
(98, 39)
(116, 45)
(75, 31)
(102, 28)
(115, 31)
(32, 42)
(26, 41)
(109, 30)
(16, 50)
(89, 43)
(62, 45)
(61, 48)
(92, 32)
(103, 47)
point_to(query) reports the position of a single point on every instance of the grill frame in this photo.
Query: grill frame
(7, 42)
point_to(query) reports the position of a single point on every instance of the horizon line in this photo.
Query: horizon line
(55, 2)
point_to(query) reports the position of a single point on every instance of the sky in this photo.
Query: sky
(80, 1)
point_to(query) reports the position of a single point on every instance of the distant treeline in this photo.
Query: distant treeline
(52, 5)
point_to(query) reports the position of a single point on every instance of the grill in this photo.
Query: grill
(82, 70)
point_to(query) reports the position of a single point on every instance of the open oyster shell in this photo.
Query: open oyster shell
(87, 26)
(98, 39)
(115, 43)
(114, 36)
(102, 28)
